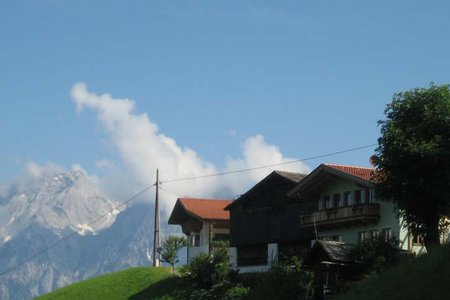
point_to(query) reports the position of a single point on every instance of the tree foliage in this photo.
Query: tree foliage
(170, 248)
(374, 255)
(413, 158)
(206, 270)
(210, 277)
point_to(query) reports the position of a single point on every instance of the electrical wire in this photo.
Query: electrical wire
(176, 180)
(268, 166)
(172, 193)
(72, 233)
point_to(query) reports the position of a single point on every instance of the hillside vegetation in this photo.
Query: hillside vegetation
(133, 283)
(427, 277)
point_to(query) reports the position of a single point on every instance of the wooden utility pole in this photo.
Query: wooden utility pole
(156, 236)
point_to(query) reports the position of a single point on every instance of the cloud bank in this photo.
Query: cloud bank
(143, 149)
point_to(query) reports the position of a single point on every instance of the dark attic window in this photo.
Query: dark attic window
(252, 255)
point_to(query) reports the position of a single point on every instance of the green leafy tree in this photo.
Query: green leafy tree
(170, 248)
(413, 158)
(374, 255)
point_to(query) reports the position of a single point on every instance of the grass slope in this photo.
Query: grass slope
(427, 277)
(133, 283)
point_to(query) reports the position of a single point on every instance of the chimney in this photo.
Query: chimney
(373, 160)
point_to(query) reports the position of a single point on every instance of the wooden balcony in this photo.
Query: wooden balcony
(348, 216)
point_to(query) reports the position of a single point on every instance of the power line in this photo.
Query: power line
(176, 180)
(172, 193)
(73, 233)
(268, 166)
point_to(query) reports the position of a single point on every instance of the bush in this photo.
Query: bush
(287, 280)
(237, 292)
(210, 277)
(221, 291)
(206, 270)
(374, 255)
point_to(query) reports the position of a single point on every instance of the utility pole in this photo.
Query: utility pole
(156, 236)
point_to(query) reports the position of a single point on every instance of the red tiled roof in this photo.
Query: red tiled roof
(361, 172)
(207, 209)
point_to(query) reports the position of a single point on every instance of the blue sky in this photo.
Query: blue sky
(310, 77)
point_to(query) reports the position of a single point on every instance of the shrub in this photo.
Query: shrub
(210, 277)
(170, 248)
(237, 292)
(287, 280)
(206, 270)
(374, 255)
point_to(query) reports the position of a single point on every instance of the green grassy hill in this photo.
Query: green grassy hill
(427, 277)
(134, 283)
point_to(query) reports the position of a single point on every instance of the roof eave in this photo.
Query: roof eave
(256, 187)
(324, 168)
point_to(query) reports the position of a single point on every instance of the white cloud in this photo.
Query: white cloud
(34, 170)
(104, 164)
(256, 153)
(143, 149)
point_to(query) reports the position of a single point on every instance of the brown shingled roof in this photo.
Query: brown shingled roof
(361, 172)
(362, 175)
(206, 209)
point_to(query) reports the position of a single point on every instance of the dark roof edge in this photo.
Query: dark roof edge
(261, 182)
(331, 170)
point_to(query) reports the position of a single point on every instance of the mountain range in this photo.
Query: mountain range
(60, 208)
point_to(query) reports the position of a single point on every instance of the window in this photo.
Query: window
(417, 240)
(221, 237)
(327, 201)
(337, 200)
(362, 235)
(375, 234)
(368, 196)
(194, 240)
(347, 198)
(357, 197)
(288, 250)
(321, 204)
(386, 233)
(252, 255)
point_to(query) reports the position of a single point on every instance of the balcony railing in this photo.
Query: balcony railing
(360, 214)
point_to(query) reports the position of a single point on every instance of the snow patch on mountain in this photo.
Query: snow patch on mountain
(51, 205)
(67, 200)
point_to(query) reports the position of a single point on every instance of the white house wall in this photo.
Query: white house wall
(204, 234)
(204, 240)
(388, 218)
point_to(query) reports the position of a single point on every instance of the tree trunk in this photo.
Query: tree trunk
(432, 237)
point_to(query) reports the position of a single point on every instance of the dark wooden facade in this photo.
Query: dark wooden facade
(334, 267)
(265, 215)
